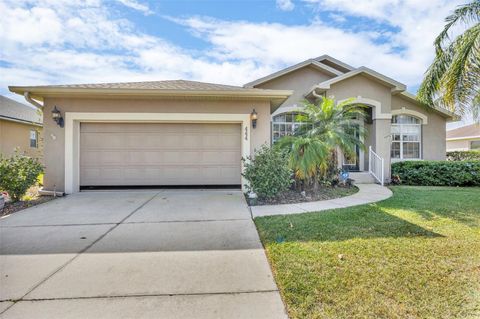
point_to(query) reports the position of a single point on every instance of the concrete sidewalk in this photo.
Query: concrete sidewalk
(165, 254)
(367, 193)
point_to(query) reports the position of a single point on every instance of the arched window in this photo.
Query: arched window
(285, 124)
(406, 137)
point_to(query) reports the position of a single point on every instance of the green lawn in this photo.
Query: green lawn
(415, 255)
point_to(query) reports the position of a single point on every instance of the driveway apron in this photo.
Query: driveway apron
(136, 254)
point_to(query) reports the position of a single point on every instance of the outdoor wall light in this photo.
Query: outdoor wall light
(253, 117)
(57, 116)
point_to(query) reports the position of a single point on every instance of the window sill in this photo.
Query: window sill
(394, 160)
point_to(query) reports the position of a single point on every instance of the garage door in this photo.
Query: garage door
(116, 154)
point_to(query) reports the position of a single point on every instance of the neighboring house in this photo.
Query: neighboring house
(20, 129)
(194, 133)
(464, 138)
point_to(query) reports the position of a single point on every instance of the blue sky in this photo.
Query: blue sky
(232, 42)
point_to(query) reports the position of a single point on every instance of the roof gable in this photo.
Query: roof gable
(334, 63)
(396, 87)
(307, 63)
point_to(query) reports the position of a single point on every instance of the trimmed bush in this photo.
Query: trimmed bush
(463, 156)
(438, 173)
(17, 174)
(267, 172)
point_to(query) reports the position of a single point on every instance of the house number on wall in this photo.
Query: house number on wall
(246, 133)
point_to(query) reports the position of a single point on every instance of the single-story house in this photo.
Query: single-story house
(464, 138)
(20, 129)
(194, 133)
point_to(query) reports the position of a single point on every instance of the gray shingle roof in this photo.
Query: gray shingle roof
(156, 85)
(464, 131)
(10, 109)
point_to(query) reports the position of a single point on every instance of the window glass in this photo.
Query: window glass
(405, 119)
(475, 145)
(285, 124)
(395, 150)
(411, 150)
(33, 138)
(406, 137)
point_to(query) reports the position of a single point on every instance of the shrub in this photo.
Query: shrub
(438, 173)
(463, 156)
(17, 174)
(267, 172)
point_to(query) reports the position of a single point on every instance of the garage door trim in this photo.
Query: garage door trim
(72, 133)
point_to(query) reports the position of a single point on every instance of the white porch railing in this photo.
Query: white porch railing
(376, 165)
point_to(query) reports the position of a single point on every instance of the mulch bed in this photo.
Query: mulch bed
(323, 193)
(35, 199)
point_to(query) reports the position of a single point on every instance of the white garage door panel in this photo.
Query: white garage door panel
(159, 154)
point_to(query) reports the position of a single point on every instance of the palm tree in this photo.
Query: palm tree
(453, 79)
(328, 126)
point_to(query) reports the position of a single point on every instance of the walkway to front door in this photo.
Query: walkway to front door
(144, 254)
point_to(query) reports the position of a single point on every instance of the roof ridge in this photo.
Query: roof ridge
(139, 82)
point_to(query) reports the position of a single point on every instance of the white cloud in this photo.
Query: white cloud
(285, 5)
(62, 41)
(403, 53)
(137, 6)
(277, 45)
(48, 42)
(417, 22)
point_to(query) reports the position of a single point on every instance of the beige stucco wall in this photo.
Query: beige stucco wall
(380, 130)
(17, 135)
(433, 133)
(300, 81)
(361, 85)
(460, 145)
(54, 144)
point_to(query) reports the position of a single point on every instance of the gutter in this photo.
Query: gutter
(56, 91)
(27, 97)
(462, 138)
(11, 119)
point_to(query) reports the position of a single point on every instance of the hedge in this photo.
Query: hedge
(438, 173)
(463, 155)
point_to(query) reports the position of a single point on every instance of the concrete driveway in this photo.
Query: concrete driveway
(144, 254)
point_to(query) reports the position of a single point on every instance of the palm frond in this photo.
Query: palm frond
(464, 64)
(329, 126)
(453, 79)
(464, 14)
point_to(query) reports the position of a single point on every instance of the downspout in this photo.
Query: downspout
(27, 97)
(39, 106)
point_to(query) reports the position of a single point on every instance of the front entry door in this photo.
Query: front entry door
(351, 163)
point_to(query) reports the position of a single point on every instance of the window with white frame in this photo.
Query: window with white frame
(285, 124)
(33, 138)
(406, 137)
